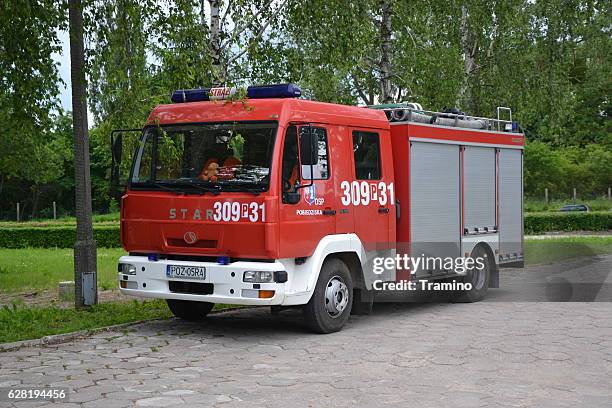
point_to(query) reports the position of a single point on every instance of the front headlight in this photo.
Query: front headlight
(258, 276)
(127, 269)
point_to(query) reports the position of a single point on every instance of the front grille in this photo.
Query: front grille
(192, 288)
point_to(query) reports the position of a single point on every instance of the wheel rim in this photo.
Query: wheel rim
(336, 296)
(479, 275)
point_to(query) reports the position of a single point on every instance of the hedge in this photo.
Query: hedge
(107, 236)
(536, 223)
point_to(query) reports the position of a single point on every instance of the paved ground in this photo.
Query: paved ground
(495, 353)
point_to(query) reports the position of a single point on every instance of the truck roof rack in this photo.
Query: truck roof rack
(414, 112)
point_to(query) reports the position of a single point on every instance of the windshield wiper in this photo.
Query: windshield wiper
(214, 189)
(244, 187)
(181, 184)
(198, 185)
(161, 185)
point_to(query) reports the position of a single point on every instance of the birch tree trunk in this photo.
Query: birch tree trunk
(219, 71)
(466, 99)
(386, 50)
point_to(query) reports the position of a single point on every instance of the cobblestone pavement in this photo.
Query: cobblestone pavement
(496, 353)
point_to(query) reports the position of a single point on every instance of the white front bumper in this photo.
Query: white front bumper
(150, 281)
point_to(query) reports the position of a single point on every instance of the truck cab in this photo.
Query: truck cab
(267, 200)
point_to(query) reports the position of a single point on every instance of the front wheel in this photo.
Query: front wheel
(189, 310)
(330, 305)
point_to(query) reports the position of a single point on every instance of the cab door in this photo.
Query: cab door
(340, 152)
(305, 222)
(371, 193)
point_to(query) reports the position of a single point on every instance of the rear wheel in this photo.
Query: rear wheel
(478, 277)
(330, 305)
(189, 310)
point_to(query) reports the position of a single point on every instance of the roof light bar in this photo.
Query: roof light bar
(254, 92)
(274, 91)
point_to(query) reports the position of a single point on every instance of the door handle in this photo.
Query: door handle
(383, 210)
(329, 211)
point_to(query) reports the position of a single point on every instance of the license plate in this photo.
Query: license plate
(185, 272)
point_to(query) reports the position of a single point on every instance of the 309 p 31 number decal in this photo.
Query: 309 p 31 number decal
(235, 211)
(362, 193)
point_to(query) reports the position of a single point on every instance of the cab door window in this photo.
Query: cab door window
(320, 171)
(290, 169)
(366, 151)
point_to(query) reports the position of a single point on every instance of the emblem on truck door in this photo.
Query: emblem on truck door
(190, 237)
(310, 194)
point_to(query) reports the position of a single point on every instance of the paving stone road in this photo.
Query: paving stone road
(493, 354)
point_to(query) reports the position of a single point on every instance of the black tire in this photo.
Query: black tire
(363, 300)
(334, 285)
(478, 277)
(189, 310)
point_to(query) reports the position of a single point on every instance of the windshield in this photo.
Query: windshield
(206, 157)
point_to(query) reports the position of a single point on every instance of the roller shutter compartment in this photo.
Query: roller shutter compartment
(510, 204)
(435, 221)
(479, 189)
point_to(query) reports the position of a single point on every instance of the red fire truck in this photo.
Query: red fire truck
(269, 199)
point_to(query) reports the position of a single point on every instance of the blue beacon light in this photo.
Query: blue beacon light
(253, 92)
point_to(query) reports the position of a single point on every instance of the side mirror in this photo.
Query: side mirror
(291, 197)
(309, 147)
(117, 176)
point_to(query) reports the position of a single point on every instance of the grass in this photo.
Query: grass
(556, 249)
(539, 205)
(43, 268)
(21, 323)
(29, 269)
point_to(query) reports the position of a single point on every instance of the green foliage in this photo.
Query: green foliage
(236, 143)
(588, 169)
(29, 83)
(113, 206)
(106, 236)
(98, 219)
(539, 205)
(181, 48)
(536, 223)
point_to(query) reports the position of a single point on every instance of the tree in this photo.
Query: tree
(29, 82)
(235, 29)
(85, 246)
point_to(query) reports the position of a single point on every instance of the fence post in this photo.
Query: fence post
(546, 195)
(609, 193)
(18, 218)
(54, 211)
(574, 195)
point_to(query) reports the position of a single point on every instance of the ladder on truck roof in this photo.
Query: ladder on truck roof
(414, 112)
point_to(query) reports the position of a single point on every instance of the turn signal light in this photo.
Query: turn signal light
(266, 294)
